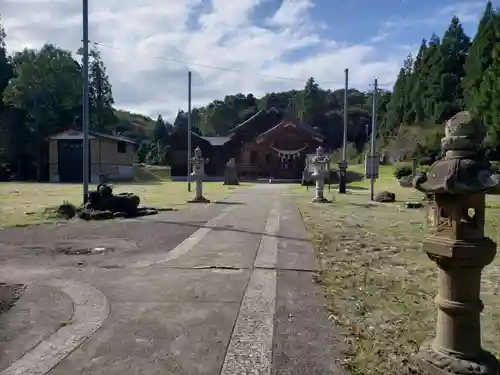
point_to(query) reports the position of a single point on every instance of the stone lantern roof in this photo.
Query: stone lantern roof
(463, 169)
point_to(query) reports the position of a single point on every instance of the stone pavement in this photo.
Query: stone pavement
(232, 296)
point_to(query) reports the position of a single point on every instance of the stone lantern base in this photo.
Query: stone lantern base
(430, 361)
(320, 200)
(201, 199)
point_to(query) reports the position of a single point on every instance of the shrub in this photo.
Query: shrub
(402, 170)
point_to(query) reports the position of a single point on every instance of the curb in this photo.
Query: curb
(91, 311)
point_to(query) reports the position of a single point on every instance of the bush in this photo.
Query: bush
(402, 170)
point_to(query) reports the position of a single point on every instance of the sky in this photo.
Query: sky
(233, 46)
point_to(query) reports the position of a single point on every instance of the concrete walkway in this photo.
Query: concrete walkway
(234, 296)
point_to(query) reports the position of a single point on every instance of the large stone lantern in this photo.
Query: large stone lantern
(197, 175)
(459, 183)
(321, 168)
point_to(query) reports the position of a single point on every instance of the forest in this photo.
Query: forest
(41, 94)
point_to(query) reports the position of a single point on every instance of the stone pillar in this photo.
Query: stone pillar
(197, 175)
(320, 164)
(230, 173)
(457, 244)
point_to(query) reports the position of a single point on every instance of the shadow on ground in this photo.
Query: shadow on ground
(229, 203)
(200, 225)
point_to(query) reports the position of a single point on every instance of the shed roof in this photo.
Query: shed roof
(76, 134)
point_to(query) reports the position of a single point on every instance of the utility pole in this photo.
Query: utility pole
(374, 136)
(85, 106)
(189, 134)
(343, 163)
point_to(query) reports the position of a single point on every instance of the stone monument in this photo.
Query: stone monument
(321, 164)
(198, 163)
(460, 249)
(230, 174)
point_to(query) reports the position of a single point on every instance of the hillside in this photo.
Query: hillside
(134, 125)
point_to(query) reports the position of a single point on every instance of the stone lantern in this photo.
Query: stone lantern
(197, 175)
(321, 169)
(459, 183)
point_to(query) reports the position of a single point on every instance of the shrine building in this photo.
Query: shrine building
(271, 143)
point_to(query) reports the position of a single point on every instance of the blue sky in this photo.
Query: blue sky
(261, 40)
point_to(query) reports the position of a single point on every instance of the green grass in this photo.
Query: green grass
(378, 282)
(33, 203)
(146, 173)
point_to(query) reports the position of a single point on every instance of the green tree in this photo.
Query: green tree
(480, 57)
(453, 51)
(6, 71)
(181, 120)
(489, 97)
(142, 151)
(47, 87)
(160, 129)
(418, 86)
(430, 78)
(395, 112)
(312, 105)
(100, 94)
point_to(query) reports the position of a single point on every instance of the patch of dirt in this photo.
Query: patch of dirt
(85, 247)
(9, 294)
(380, 285)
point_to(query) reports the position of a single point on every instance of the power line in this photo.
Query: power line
(188, 63)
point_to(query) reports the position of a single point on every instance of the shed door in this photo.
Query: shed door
(70, 157)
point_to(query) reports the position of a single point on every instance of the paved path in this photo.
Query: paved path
(232, 296)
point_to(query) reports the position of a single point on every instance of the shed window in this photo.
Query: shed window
(121, 147)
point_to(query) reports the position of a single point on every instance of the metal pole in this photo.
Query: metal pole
(374, 136)
(85, 104)
(189, 133)
(344, 141)
(343, 164)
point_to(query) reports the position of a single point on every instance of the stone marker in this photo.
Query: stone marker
(198, 173)
(457, 244)
(230, 174)
(320, 164)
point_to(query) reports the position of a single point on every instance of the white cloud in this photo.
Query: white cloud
(145, 38)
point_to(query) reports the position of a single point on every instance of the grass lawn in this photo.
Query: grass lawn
(379, 284)
(25, 203)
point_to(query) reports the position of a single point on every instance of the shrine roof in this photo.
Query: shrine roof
(294, 122)
(260, 115)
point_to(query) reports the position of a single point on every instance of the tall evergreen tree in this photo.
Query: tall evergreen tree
(6, 70)
(406, 105)
(160, 130)
(100, 94)
(430, 78)
(480, 57)
(453, 52)
(488, 97)
(418, 86)
(312, 104)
